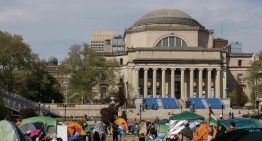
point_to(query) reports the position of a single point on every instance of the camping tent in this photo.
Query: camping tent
(8, 132)
(29, 127)
(163, 128)
(201, 134)
(186, 116)
(241, 135)
(49, 124)
(242, 123)
(163, 121)
(71, 126)
(120, 121)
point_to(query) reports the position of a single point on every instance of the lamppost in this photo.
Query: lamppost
(141, 107)
(39, 108)
(65, 102)
(222, 108)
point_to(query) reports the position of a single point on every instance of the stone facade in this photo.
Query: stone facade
(175, 57)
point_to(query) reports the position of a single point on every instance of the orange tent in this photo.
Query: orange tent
(120, 121)
(201, 134)
(71, 126)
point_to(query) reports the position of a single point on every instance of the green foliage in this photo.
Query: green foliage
(108, 115)
(124, 116)
(238, 97)
(52, 60)
(15, 58)
(39, 85)
(121, 98)
(255, 77)
(21, 71)
(87, 69)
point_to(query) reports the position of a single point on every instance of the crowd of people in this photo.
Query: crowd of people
(188, 134)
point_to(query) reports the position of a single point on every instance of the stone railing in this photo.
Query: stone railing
(16, 103)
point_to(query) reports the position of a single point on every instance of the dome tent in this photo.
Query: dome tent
(49, 124)
(9, 132)
(186, 116)
(242, 123)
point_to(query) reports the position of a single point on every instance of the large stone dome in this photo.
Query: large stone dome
(167, 16)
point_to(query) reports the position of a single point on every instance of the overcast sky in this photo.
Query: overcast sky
(50, 27)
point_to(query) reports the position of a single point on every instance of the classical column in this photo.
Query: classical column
(209, 83)
(218, 82)
(137, 82)
(182, 83)
(224, 71)
(145, 81)
(172, 82)
(154, 82)
(191, 85)
(163, 80)
(200, 82)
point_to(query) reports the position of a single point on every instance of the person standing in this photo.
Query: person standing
(115, 133)
(231, 126)
(210, 133)
(186, 133)
(152, 131)
(124, 127)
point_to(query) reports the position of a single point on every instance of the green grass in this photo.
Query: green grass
(124, 138)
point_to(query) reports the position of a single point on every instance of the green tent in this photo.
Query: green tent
(186, 116)
(163, 128)
(242, 123)
(49, 124)
(9, 132)
(163, 121)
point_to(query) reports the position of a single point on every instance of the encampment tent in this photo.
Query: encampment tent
(163, 121)
(186, 116)
(49, 124)
(74, 127)
(121, 121)
(163, 128)
(9, 132)
(29, 127)
(242, 123)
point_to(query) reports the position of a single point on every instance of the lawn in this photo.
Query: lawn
(124, 138)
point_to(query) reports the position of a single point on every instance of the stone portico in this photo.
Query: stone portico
(168, 54)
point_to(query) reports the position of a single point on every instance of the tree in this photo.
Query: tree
(21, 71)
(121, 98)
(238, 97)
(108, 115)
(39, 85)
(255, 77)
(15, 57)
(124, 116)
(87, 70)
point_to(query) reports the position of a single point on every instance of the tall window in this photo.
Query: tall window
(240, 63)
(171, 41)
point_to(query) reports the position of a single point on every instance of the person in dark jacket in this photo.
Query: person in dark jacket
(187, 133)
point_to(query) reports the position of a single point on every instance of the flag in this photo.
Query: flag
(212, 118)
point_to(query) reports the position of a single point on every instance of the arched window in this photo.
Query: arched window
(171, 41)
